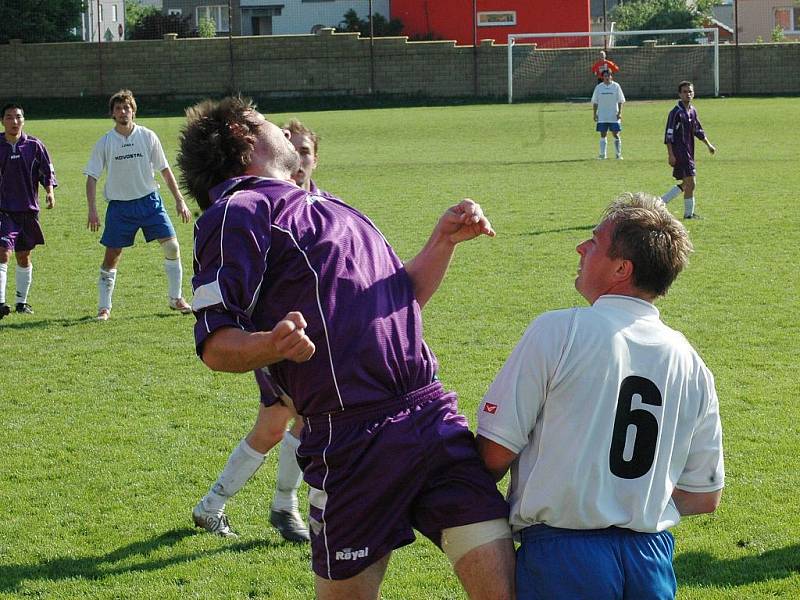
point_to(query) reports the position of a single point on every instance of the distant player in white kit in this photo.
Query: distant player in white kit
(607, 101)
(130, 154)
(609, 421)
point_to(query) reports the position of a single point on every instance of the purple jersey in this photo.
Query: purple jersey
(23, 166)
(682, 127)
(266, 247)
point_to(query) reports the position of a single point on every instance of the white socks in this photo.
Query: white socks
(243, 463)
(603, 146)
(24, 277)
(688, 207)
(105, 287)
(618, 146)
(289, 475)
(3, 280)
(241, 466)
(673, 191)
(174, 272)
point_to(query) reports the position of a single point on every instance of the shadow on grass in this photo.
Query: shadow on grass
(134, 555)
(700, 568)
(33, 323)
(560, 230)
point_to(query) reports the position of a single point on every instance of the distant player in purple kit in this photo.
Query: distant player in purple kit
(682, 127)
(271, 421)
(609, 421)
(305, 289)
(130, 154)
(24, 165)
(607, 101)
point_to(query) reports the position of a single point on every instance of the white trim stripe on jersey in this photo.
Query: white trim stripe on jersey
(319, 308)
(324, 482)
(206, 295)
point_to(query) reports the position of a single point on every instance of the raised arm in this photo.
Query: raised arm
(461, 222)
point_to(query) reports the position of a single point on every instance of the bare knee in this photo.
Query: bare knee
(111, 258)
(364, 586)
(483, 558)
(268, 428)
(23, 259)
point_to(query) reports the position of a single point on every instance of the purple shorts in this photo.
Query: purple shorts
(20, 231)
(683, 169)
(377, 473)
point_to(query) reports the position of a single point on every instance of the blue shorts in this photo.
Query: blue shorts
(377, 473)
(20, 231)
(595, 564)
(603, 127)
(125, 218)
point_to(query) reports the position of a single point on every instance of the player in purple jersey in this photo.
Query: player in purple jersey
(24, 164)
(305, 289)
(682, 127)
(271, 421)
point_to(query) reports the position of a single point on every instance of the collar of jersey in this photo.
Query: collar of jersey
(637, 306)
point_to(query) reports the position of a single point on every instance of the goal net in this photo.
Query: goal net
(651, 63)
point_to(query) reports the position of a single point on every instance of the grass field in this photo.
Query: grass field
(112, 431)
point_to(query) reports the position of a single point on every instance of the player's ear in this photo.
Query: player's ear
(624, 270)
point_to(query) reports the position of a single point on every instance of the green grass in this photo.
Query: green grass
(112, 431)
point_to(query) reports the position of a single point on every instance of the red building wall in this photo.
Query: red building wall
(453, 20)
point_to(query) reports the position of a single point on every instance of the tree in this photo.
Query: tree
(41, 21)
(135, 12)
(635, 15)
(381, 27)
(155, 25)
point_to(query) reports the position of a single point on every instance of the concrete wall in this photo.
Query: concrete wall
(339, 64)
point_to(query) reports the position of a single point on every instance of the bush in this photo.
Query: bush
(154, 25)
(381, 27)
(207, 28)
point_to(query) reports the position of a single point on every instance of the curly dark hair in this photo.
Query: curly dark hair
(215, 144)
(651, 238)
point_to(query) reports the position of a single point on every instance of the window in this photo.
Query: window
(218, 14)
(788, 19)
(114, 8)
(497, 19)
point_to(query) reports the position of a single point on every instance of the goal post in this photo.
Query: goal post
(561, 61)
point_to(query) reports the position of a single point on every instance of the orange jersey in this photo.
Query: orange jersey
(602, 65)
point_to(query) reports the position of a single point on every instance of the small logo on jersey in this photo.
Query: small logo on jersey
(490, 408)
(348, 554)
(311, 198)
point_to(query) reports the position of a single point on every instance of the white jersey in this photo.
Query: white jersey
(607, 98)
(129, 161)
(609, 410)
